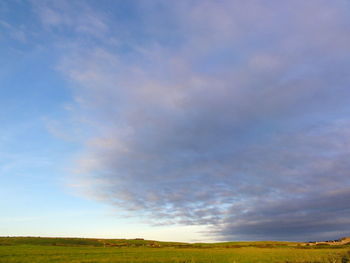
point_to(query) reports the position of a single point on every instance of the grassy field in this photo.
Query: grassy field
(66, 250)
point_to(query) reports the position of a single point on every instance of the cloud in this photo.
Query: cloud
(77, 17)
(236, 117)
(317, 216)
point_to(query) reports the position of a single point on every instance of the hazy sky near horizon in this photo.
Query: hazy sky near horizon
(175, 120)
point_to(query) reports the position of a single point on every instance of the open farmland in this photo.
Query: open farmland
(33, 250)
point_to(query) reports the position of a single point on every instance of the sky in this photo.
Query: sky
(189, 120)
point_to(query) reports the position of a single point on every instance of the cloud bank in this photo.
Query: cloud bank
(230, 114)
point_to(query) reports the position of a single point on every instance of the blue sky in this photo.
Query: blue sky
(187, 120)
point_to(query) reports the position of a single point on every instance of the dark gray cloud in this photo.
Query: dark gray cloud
(236, 118)
(316, 216)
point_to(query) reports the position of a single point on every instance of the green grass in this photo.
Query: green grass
(35, 250)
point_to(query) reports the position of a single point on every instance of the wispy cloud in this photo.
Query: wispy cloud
(77, 17)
